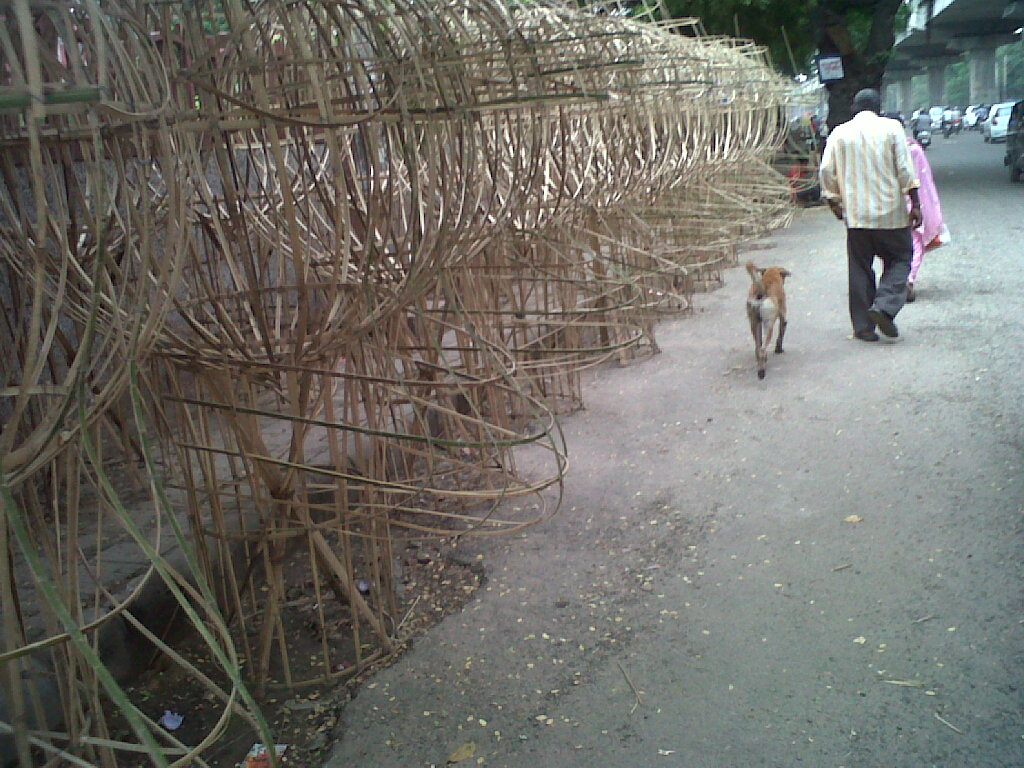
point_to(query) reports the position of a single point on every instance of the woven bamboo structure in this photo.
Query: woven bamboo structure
(323, 389)
(344, 259)
(91, 253)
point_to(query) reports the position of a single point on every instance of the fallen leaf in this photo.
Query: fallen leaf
(464, 752)
(853, 519)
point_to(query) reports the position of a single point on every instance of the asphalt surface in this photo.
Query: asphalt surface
(823, 568)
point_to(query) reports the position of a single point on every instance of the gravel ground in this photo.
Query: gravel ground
(823, 568)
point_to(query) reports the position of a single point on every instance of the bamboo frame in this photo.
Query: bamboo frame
(348, 260)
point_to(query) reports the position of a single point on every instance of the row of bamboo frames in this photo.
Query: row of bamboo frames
(285, 283)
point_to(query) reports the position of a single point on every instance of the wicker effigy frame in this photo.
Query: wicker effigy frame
(283, 282)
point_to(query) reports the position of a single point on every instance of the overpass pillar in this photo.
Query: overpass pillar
(897, 95)
(906, 95)
(937, 84)
(981, 65)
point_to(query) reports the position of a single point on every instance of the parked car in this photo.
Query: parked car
(1015, 141)
(994, 128)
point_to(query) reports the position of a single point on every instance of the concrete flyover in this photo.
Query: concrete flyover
(938, 34)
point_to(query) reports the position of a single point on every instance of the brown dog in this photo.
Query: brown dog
(766, 303)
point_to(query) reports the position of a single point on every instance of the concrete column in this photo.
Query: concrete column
(906, 104)
(890, 97)
(981, 63)
(896, 95)
(936, 84)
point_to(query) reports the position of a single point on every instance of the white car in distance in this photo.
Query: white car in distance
(994, 128)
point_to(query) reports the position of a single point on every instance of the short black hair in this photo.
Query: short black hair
(867, 98)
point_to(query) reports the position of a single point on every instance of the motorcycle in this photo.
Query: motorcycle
(924, 138)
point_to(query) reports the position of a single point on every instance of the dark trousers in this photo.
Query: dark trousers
(896, 250)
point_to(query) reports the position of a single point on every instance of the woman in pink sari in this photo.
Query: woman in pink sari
(932, 233)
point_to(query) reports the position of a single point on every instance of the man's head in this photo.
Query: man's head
(868, 99)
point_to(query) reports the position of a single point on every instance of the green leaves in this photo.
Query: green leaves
(758, 20)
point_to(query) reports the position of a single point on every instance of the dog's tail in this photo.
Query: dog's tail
(755, 277)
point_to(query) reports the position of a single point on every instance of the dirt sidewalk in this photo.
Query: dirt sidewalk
(822, 568)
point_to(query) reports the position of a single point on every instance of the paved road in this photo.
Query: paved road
(702, 556)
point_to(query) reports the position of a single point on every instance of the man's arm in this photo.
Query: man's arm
(829, 178)
(916, 219)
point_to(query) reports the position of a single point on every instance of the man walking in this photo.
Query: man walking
(866, 175)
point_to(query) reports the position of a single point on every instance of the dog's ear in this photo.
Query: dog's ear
(785, 273)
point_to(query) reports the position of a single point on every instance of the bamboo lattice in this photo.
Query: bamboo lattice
(286, 283)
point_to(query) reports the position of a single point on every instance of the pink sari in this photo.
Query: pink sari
(932, 233)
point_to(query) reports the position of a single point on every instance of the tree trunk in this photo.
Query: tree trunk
(862, 68)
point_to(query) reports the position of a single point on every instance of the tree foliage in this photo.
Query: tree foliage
(1013, 56)
(862, 32)
(769, 22)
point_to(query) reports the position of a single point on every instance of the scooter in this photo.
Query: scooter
(924, 138)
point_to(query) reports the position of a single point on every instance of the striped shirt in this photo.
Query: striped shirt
(867, 167)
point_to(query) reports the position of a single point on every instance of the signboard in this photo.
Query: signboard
(830, 68)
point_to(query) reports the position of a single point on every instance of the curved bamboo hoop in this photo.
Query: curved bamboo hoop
(83, 291)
